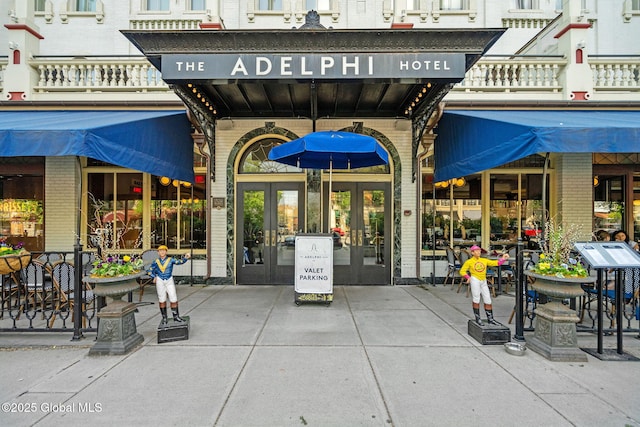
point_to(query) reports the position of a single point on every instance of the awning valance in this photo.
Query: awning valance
(470, 141)
(157, 142)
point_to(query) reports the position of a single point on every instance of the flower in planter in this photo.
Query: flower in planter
(113, 266)
(556, 257)
(8, 249)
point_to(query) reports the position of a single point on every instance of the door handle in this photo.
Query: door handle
(267, 234)
(273, 237)
(360, 237)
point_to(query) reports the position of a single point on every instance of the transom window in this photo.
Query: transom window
(255, 159)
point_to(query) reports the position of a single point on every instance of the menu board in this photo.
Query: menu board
(608, 254)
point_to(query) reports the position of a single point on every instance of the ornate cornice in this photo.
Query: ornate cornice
(155, 43)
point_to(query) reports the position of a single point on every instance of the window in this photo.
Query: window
(525, 4)
(39, 5)
(115, 210)
(85, 5)
(318, 4)
(270, 4)
(255, 159)
(413, 4)
(198, 4)
(635, 5)
(178, 213)
(22, 202)
(515, 209)
(455, 214)
(157, 4)
(453, 4)
(583, 4)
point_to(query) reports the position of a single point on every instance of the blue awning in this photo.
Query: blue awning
(470, 141)
(157, 142)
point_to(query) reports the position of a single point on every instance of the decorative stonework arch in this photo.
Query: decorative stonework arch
(269, 129)
(397, 171)
(313, 180)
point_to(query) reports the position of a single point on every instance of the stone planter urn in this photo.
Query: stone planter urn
(555, 325)
(117, 333)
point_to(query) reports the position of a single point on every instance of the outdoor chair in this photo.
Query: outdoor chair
(453, 266)
(148, 257)
(529, 302)
(464, 256)
(63, 279)
(590, 300)
(36, 279)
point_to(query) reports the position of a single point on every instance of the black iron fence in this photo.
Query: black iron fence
(48, 295)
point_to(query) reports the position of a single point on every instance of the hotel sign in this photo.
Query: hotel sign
(450, 66)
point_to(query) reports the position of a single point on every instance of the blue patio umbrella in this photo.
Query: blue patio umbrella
(331, 150)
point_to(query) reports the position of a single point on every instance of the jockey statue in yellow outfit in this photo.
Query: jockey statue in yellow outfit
(475, 271)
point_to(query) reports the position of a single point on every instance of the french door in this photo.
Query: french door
(359, 215)
(269, 216)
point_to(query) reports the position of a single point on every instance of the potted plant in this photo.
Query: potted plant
(113, 276)
(559, 275)
(13, 257)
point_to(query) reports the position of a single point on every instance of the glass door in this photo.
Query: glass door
(360, 219)
(269, 217)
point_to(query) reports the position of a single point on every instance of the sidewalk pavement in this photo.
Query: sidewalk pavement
(378, 356)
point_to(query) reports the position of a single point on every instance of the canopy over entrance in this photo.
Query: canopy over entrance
(313, 72)
(471, 141)
(157, 142)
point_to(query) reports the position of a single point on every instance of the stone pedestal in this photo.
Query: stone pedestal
(555, 334)
(117, 333)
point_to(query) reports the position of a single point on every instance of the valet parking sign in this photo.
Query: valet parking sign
(229, 67)
(314, 264)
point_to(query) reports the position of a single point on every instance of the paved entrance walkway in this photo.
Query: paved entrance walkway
(379, 356)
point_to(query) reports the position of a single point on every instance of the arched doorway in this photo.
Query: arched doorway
(274, 202)
(270, 212)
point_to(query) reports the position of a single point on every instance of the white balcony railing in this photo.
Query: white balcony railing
(97, 74)
(507, 77)
(615, 73)
(513, 74)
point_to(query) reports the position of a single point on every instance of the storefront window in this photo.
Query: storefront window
(22, 202)
(608, 203)
(178, 213)
(454, 215)
(515, 209)
(115, 210)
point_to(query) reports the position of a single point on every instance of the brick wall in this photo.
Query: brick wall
(61, 193)
(573, 203)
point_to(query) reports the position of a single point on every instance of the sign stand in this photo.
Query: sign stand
(609, 255)
(314, 268)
